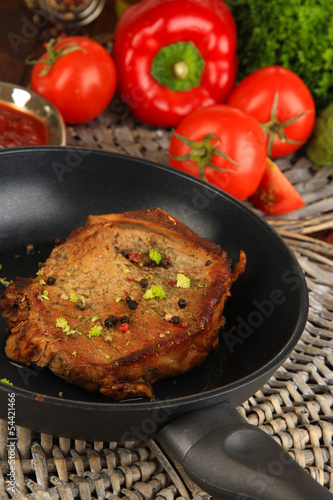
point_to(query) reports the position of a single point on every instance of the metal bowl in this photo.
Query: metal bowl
(27, 100)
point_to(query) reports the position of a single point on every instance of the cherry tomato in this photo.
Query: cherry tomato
(283, 105)
(275, 194)
(78, 76)
(222, 145)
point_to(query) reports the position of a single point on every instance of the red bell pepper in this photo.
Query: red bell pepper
(173, 57)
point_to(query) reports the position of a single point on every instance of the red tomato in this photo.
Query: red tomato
(283, 105)
(222, 145)
(80, 82)
(275, 194)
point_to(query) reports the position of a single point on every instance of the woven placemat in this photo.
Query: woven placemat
(295, 406)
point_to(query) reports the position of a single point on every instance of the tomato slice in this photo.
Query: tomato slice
(275, 194)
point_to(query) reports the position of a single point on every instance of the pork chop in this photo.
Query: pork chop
(126, 300)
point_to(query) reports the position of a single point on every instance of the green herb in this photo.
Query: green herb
(42, 282)
(63, 324)
(117, 299)
(95, 331)
(61, 394)
(44, 296)
(73, 298)
(125, 270)
(74, 353)
(5, 282)
(6, 381)
(155, 292)
(40, 272)
(107, 356)
(155, 256)
(297, 35)
(183, 281)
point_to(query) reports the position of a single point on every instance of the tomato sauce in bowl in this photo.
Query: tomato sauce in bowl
(20, 128)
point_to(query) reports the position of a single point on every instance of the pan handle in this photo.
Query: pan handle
(229, 458)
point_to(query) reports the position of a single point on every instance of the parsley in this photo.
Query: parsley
(155, 256)
(156, 292)
(183, 281)
(74, 353)
(95, 331)
(6, 381)
(5, 282)
(73, 298)
(62, 323)
(107, 356)
(125, 270)
(44, 295)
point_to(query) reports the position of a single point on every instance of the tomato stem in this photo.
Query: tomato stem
(54, 54)
(275, 128)
(201, 153)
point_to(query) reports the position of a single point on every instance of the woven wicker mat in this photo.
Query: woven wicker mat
(295, 406)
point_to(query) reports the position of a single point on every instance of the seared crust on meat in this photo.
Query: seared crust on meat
(103, 314)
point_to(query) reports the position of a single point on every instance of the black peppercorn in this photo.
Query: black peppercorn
(151, 263)
(50, 280)
(182, 303)
(144, 283)
(165, 263)
(132, 304)
(175, 320)
(208, 262)
(110, 321)
(124, 319)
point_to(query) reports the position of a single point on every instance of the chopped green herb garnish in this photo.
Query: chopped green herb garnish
(107, 356)
(183, 281)
(156, 292)
(95, 331)
(125, 270)
(40, 272)
(155, 256)
(44, 295)
(61, 394)
(42, 282)
(73, 298)
(62, 323)
(74, 353)
(5, 282)
(6, 381)
(117, 299)
(95, 318)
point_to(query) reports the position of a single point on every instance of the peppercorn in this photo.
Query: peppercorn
(165, 263)
(132, 304)
(110, 321)
(182, 303)
(58, 241)
(124, 319)
(175, 320)
(144, 283)
(151, 263)
(208, 262)
(51, 280)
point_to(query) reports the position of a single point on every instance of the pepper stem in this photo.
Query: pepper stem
(201, 153)
(178, 66)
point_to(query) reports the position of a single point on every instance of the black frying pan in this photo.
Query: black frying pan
(48, 191)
